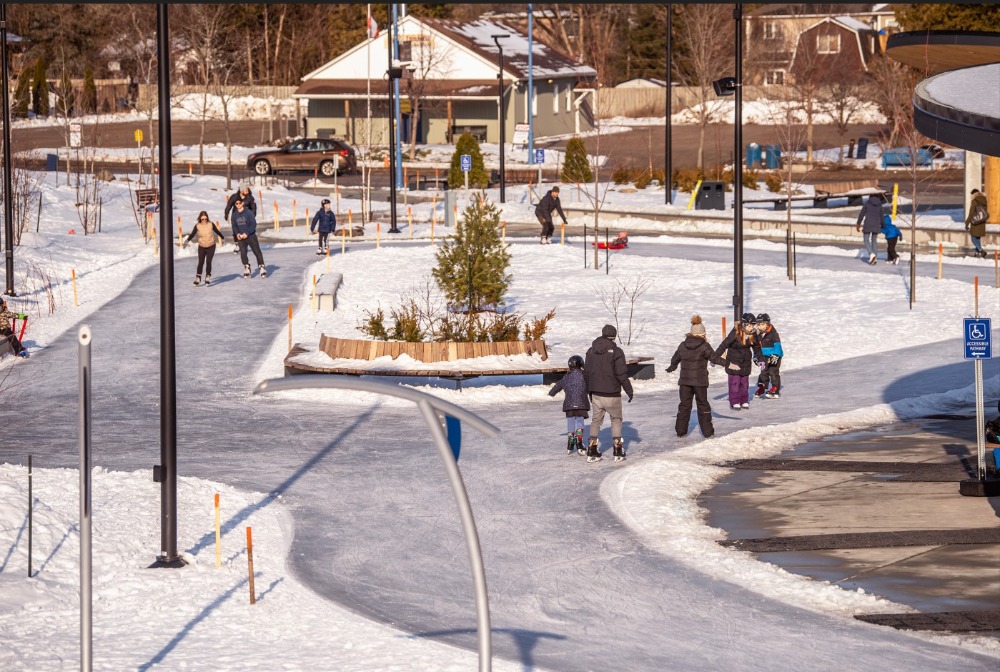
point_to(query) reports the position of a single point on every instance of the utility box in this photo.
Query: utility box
(450, 199)
(51, 162)
(711, 196)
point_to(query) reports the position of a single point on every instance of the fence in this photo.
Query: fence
(651, 101)
(148, 93)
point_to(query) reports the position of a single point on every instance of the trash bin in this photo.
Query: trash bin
(862, 148)
(711, 196)
(753, 155)
(772, 157)
(51, 162)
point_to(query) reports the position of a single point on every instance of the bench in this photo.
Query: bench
(144, 197)
(325, 293)
(780, 201)
(854, 190)
(420, 182)
(515, 176)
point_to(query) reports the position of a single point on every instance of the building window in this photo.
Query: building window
(555, 98)
(772, 31)
(828, 44)
(775, 77)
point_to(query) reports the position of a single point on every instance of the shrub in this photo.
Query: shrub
(467, 144)
(536, 328)
(643, 179)
(576, 169)
(622, 175)
(688, 178)
(773, 182)
(660, 175)
(374, 325)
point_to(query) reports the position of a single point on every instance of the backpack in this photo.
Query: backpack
(980, 216)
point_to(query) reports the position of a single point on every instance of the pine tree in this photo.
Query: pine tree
(472, 265)
(40, 89)
(576, 169)
(467, 144)
(22, 95)
(89, 102)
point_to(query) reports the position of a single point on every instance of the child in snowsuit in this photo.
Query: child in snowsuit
(738, 347)
(7, 330)
(693, 355)
(575, 404)
(892, 236)
(326, 220)
(767, 354)
(206, 232)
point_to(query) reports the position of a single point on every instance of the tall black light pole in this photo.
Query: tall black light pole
(166, 473)
(738, 172)
(394, 72)
(8, 188)
(668, 170)
(503, 139)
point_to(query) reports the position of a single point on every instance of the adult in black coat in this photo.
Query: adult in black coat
(693, 355)
(605, 371)
(870, 224)
(544, 210)
(245, 196)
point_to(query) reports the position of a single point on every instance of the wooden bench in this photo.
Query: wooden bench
(854, 190)
(144, 197)
(515, 176)
(325, 293)
(780, 201)
(426, 183)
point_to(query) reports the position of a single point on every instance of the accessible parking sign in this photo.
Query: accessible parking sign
(978, 338)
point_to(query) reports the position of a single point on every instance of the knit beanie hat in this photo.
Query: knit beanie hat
(609, 331)
(697, 328)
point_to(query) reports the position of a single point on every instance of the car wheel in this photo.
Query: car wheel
(262, 167)
(328, 168)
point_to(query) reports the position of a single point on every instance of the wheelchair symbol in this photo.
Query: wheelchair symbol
(977, 332)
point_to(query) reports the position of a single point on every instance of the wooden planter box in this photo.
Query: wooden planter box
(348, 348)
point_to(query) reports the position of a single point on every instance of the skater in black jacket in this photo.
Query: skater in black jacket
(326, 221)
(245, 196)
(738, 347)
(575, 404)
(693, 355)
(606, 375)
(544, 210)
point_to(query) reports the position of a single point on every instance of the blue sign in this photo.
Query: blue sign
(466, 162)
(978, 343)
(539, 156)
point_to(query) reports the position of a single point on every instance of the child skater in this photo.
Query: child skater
(892, 236)
(767, 353)
(326, 220)
(575, 404)
(693, 355)
(738, 347)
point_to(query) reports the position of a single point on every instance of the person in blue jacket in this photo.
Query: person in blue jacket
(892, 236)
(326, 220)
(767, 354)
(244, 225)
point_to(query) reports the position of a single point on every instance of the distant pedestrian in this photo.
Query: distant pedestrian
(767, 353)
(738, 349)
(693, 355)
(543, 211)
(575, 404)
(245, 231)
(326, 221)
(206, 231)
(606, 374)
(975, 223)
(7, 318)
(892, 236)
(871, 214)
(246, 196)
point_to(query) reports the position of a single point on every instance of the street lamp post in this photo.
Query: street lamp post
(668, 181)
(500, 119)
(394, 73)
(8, 203)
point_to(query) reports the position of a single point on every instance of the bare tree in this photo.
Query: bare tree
(621, 301)
(427, 63)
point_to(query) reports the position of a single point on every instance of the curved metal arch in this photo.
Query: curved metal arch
(433, 409)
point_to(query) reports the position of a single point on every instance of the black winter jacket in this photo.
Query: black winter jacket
(325, 219)
(871, 215)
(547, 206)
(248, 202)
(574, 384)
(738, 354)
(605, 371)
(693, 356)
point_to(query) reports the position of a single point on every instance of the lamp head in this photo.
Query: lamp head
(725, 86)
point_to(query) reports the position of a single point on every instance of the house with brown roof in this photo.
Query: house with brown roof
(449, 86)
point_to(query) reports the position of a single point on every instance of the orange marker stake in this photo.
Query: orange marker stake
(378, 235)
(350, 223)
(73, 272)
(328, 260)
(253, 593)
(312, 300)
(343, 243)
(503, 232)
(277, 225)
(724, 332)
(306, 222)
(996, 269)
(190, 172)
(156, 242)
(289, 327)
(294, 216)
(180, 233)
(562, 234)
(218, 534)
(409, 219)
(940, 260)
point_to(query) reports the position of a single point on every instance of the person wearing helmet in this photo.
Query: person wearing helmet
(738, 349)
(7, 329)
(326, 221)
(768, 353)
(575, 403)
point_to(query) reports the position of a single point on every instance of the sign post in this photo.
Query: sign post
(977, 334)
(466, 167)
(539, 159)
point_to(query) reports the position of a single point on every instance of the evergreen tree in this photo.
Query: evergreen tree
(576, 168)
(949, 17)
(467, 144)
(472, 265)
(40, 89)
(89, 102)
(647, 43)
(67, 99)
(22, 95)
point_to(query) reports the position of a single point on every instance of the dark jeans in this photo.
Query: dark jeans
(892, 248)
(738, 386)
(205, 255)
(15, 345)
(548, 228)
(323, 235)
(255, 246)
(700, 395)
(770, 376)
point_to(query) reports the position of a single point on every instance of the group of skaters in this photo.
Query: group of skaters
(596, 382)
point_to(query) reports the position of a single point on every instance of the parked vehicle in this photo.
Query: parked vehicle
(327, 155)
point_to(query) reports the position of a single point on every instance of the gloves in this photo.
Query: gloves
(773, 360)
(760, 364)
(671, 369)
(22, 316)
(630, 398)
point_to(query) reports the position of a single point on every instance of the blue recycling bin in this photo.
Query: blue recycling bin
(772, 157)
(753, 155)
(51, 162)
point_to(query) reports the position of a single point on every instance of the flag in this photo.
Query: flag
(372, 28)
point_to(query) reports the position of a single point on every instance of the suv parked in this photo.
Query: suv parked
(325, 154)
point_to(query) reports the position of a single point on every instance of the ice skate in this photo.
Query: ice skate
(872, 259)
(735, 407)
(773, 393)
(197, 280)
(760, 391)
(618, 449)
(320, 252)
(579, 443)
(263, 271)
(744, 405)
(593, 454)
(208, 280)
(571, 444)
(246, 271)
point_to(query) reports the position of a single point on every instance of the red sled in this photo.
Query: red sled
(619, 243)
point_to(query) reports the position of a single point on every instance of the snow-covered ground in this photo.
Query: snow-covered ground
(829, 316)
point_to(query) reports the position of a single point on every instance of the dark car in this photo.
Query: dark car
(327, 155)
